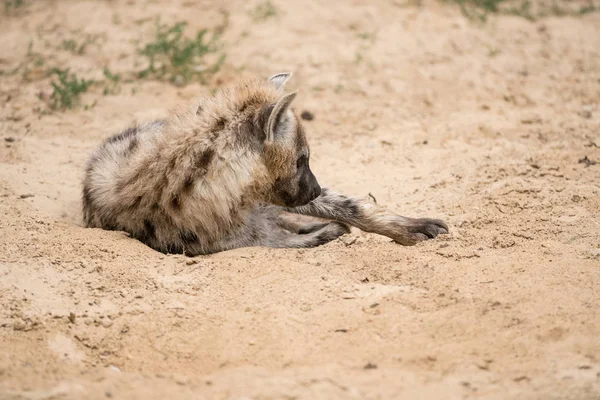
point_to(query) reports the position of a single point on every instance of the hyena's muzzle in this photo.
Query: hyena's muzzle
(309, 189)
(300, 189)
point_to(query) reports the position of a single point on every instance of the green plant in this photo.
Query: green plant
(263, 11)
(358, 57)
(13, 5)
(368, 36)
(480, 9)
(72, 46)
(67, 90)
(75, 47)
(522, 10)
(179, 59)
(112, 82)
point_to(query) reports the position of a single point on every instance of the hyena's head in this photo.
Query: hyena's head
(286, 152)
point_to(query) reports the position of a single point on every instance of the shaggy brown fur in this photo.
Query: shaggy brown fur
(223, 175)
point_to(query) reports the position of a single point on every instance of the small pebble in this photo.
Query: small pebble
(19, 325)
(181, 380)
(348, 241)
(307, 115)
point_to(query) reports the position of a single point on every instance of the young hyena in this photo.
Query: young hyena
(227, 174)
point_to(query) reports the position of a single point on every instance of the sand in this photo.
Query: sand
(483, 125)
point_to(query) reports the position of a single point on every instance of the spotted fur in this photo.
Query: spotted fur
(226, 174)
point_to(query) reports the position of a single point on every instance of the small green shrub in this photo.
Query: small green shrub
(174, 57)
(263, 11)
(67, 90)
(10, 5)
(112, 83)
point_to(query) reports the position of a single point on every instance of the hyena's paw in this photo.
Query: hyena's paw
(310, 228)
(419, 229)
(331, 231)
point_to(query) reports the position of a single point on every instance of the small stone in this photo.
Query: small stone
(348, 241)
(19, 325)
(307, 115)
(9, 139)
(586, 111)
(26, 195)
(191, 261)
(576, 198)
(179, 81)
(531, 119)
(181, 380)
(370, 366)
(72, 318)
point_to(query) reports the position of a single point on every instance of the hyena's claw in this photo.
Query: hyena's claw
(338, 228)
(420, 229)
(428, 228)
(331, 231)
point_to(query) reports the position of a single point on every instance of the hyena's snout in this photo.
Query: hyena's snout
(309, 190)
(297, 191)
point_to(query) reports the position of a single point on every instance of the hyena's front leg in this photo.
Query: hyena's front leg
(266, 227)
(370, 217)
(297, 223)
(282, 238)
(270, 227)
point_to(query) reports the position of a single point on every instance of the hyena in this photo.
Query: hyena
(226, 174)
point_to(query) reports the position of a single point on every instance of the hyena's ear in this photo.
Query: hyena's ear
(277, 124)
(279, 80)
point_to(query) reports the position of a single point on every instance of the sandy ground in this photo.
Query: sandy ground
(483, 126)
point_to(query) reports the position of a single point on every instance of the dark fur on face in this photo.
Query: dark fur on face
(298, 189)
(287, 157)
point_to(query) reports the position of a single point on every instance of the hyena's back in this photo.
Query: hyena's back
(128, 186)
(106, 171)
